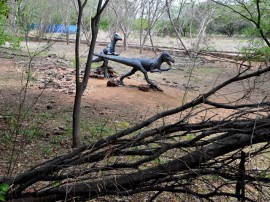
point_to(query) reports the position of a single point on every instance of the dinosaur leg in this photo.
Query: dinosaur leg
(98, 69)
(126, 75)
(105, 67)
(152, 85)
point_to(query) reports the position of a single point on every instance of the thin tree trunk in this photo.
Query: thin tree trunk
(67, 21)
(152, 43)
(81, 85)
(141, 28)
(40, 30)
(143, 42)
(175, 29)
(76, 138)
(125, 41)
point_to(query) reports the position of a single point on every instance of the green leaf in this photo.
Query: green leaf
(2, 198)
(4, 187)
(189, 137)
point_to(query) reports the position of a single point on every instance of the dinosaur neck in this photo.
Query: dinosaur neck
(113, 45)
(159, 61)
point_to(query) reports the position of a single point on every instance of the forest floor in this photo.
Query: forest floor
(45, 113)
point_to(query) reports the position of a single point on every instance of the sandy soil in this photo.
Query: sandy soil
(113, 108)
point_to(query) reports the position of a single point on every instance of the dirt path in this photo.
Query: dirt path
(46, 133)
(50, 110)
(98, 101)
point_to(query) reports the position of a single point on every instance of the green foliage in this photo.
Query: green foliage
(30, 127)
(189, 137)
(3, 12)
(266, 28)
(228, 23)
(140, 22)
(164, 28)
(261, 54)
(264, 51)
(10, 119)
(4, 36)
(257, 49)
(104, 24)
(73, 17)
(3, 191)
(100, 130)
(249, 9)
(123, 125)
(56, 184)
(15, 41)
(57, 19)
(31, 132)
(48, 150)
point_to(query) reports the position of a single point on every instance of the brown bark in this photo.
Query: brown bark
(81, 85)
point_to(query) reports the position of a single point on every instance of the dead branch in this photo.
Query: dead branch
(165, 158)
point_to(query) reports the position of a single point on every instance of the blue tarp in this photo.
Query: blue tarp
(33, 26)
(56, 28)
(61, 28)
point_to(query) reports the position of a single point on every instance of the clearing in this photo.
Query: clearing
(46, 107)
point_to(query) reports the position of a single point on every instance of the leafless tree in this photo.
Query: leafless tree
(152, 11)
(66, 16)
(86, 20)
(82, 84)
(18, 9)
(204, 14)
(199, 14)
(178, 29)
(141, 22)
(12, 16)
(42, 13)
(125, 13)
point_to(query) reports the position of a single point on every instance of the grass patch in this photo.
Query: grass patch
(100, 131)
(122, 125)
(207, 70)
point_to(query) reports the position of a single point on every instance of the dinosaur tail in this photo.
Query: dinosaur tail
(97, 59)
(123, 60)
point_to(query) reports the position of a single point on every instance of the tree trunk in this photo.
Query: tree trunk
(125, 43)
(81, 85)
(67, 21)
(152, 43)
(175, 29)
(40, 30)
(143, 42)
(76, 138)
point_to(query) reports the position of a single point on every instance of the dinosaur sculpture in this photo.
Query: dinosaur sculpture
(109, 50)
(142, 64)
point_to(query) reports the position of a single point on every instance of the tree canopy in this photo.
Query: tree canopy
(3, 15)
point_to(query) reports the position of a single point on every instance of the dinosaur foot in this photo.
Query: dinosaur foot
(113, 83)
(154, 87)
(121, 83)
(109, 73)
(107, 76)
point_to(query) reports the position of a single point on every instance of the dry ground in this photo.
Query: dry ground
(104, 109)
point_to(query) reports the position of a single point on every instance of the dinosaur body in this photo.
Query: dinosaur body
(142, 64)
(109, 50)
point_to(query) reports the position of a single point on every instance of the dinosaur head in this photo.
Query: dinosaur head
(167, 58)
(117, 37)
